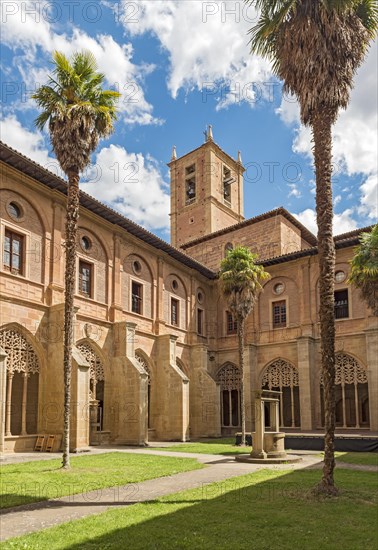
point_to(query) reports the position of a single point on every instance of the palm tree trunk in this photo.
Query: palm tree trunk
(322, 138)
(241, 366)
(70, 280)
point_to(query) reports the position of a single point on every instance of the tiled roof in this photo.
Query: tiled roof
(19, 161)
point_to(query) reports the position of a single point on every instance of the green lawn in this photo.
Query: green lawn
(367, 459)
(224, 446)
(260, 511)
(44, 479)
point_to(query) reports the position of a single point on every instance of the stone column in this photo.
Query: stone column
(306, 365)
(372, 372)
(79, 401)
(24, 402)
(9, 404)
(3, 387)
(253, 379)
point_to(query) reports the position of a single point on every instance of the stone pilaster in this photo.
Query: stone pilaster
(3, 386)
(306, 370)
(372, 372)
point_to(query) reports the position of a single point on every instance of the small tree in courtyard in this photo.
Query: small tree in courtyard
(241, 280)
(78, 112)
(364, 273)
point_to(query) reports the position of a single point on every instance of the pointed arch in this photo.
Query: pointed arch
(281, 375)
(229, 380)
(181, 365)
(23, 369)
(144, 362)
(351, 392)
(89, 350)
(142, 359)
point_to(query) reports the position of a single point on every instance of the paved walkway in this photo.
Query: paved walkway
(34, 517)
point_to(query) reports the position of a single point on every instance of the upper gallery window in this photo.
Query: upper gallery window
(200, 321)
(13, 252)
(232, 324)
(341, 304)
(279, 314)
(174, 312)
(86, 279)
(136, 297)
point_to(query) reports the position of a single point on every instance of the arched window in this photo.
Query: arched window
(229, 378)
(351, 393)
(143, 364)
(96, 380)
(283, 377)
(22, 384)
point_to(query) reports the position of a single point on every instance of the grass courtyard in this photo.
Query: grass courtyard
(44, 479)
(259, 511)
(221, 446)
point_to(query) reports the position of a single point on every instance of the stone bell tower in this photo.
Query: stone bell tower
(206, 191)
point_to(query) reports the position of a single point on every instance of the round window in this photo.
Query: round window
(174, 284)
(200, 297)
(14, 210)
(86, 243)
(339, 276)
(137, 268)
(279, 288)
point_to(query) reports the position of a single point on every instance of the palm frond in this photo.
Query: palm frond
(77, 108)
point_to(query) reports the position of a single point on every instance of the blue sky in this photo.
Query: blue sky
(181, 65)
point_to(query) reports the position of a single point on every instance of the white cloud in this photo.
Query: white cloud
(342, 223)
(369, 198)
(131, 184)
(21, 31)
(355, 139)
(294, 191)
(191, 33)
(30, 144)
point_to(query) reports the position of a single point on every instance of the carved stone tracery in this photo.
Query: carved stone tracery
(280, 374)
(348, 371)
(143, 364)
(96, 369)
(21, 356)
(229, 378)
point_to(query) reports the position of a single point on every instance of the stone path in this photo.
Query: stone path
(34, 517)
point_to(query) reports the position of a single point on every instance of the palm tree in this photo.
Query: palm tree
(316, 47)
(78, 112)
(364, 273)
(241, 281)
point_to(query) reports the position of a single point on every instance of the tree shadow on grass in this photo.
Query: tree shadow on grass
(275, 512)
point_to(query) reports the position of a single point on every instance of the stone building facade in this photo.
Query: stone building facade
(155, 352)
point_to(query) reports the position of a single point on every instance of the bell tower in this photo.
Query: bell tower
(206, 191)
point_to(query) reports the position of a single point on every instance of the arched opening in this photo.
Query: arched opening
(143, 363)
(283, 377)
(96, 381)
(229, 378)
(23, 370)
(351, 393)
